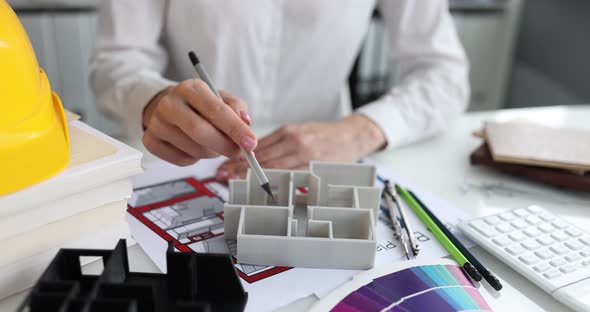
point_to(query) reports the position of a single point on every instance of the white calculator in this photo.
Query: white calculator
(547, 250)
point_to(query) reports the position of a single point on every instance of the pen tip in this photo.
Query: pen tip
(266, 188)
(193, 57)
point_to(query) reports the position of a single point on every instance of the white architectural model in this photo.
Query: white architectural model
(323, 218)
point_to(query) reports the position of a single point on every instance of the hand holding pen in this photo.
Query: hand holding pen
(188, 122)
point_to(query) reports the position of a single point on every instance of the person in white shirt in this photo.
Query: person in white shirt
(284, 66)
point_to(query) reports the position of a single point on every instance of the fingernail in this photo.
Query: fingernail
(241, 157)
(221, 174)
(248, 143)
(234, 176)
(245, 116)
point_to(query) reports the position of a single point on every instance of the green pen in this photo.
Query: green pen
(438, 233)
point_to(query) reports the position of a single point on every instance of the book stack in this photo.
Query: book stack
(554, 156)
(81, 207)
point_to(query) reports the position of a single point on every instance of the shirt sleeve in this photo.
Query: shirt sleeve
(127, 63)
(432, 86)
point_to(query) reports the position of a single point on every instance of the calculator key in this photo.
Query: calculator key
(484, 229)
(532, 232)
(585, 240)
(530, 245)
(586, 262)
(541, 267)
(517, 236)
(545, 240)
(573, 232)
(544, 254)
(546, 228)
(569, 268)
(521, 212)
(559, 249)
(519, 224)
(528, 259)
(552, 274)
(535, 209)
(558, 262)
(547, 216)
(585, 253)
(573, 257)
(477, 223)
(533, 220)
(492, 220)
(507, 216)
(559, 236)
(574, 245)
(560, 224)
(504, 228)
(502, 241)
(515, 250)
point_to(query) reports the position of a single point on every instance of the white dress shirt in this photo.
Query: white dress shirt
(289, 60)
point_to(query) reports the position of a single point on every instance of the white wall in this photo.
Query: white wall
(552, 54)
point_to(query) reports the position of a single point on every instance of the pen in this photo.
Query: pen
(442, 238)
(487, 275)
(252, 162)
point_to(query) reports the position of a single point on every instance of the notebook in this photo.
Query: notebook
(56, 233)
(528, 143)
(550, 176)
(65, 207)
(96, 160)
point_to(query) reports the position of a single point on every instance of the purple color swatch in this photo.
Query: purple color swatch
(443, 288)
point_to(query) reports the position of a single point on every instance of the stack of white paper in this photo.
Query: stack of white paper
(81, 207)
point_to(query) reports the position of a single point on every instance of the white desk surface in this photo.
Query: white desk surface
(441, 165)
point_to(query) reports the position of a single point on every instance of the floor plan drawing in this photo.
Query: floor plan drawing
(330, 225)
(189, 213)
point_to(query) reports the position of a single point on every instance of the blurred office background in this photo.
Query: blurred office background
(522, 53)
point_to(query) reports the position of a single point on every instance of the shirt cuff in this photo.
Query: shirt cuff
(140, 93)
(389, 118)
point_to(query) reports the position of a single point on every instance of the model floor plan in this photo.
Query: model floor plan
(322, 218)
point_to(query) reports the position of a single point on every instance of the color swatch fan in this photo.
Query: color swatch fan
(414, 286)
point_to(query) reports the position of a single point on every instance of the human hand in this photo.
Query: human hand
(293, 146)
(187, 122)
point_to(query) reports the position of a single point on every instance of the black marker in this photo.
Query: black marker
(487, 275)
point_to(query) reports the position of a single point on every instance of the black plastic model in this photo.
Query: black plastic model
(195, 282)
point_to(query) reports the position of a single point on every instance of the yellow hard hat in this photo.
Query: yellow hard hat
(34, 139)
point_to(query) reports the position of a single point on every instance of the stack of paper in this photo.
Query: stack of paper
(81, 207)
